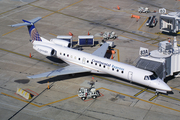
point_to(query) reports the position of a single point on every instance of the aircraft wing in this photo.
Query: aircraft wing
(101, 51)
(71, 69)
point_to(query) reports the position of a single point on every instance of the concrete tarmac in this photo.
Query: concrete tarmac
(61, 101)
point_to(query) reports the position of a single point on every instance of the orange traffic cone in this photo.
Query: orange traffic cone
(118, 7)
(30, 55)
(169, 40)
(88, 33)
(113, 52)
(112, 56)
(70, 34)
(48, 85)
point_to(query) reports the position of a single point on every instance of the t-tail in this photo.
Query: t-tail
(31, 28)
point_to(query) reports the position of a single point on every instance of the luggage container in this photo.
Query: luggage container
(87, 40)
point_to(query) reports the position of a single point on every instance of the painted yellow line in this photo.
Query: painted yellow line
(140, 92)
(20, 99)
(150, 32)
(97, 89)
(52, 34)
(143, 23)
(130, 12)
(36, 104)
(17, 7)
(153, 97)
(98, 37)
(107, 8)
(59, 100)
(55, 11)
(136, 87)
(142, 100)
(44, 16)
(175, 88)
(139, 41)
(119, 82)
(27, 56)
(117, 54)
(70, 5)
(13, 30)
(170, 97)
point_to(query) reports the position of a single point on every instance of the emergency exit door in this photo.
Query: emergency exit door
(83, 60)
(130, 76)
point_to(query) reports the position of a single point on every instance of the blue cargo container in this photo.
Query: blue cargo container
(86, 40)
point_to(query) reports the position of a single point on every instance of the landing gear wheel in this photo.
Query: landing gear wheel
(83, 98)
(98, 93)
(157, 93)
(94, 97)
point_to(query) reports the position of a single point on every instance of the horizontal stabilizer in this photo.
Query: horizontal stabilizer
(26, 23)
(72, 69)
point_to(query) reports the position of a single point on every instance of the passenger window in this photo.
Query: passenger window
(67, 55)
(104, 66)
(99, 65)
(87, 61)
(91, 62)
(122, 71)
(117, 70)
(64, 54)
(95, 63)
(60, 53)
(79, 59)
(113, 69)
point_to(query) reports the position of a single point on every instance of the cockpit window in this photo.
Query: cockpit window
(153, 76)
(146, 78)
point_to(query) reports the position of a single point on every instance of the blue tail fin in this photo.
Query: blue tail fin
(31, 28)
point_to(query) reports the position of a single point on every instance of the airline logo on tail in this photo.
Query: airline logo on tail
(31, 28)
(34, 35)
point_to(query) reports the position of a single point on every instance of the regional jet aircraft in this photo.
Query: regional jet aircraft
(80, 61)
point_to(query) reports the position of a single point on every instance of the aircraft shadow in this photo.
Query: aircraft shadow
(54, 59)
(63, 77)
(168, 79)
(66, 77)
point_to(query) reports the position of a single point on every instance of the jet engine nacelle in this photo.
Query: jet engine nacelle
(61, 42)
(45, 50)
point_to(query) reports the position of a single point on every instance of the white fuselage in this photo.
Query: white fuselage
(107, 66)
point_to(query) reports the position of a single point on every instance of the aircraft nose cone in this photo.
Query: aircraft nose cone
(164, 86)
(160, 84)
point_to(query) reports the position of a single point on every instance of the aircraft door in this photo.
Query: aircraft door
(83, 60)
(130, 76)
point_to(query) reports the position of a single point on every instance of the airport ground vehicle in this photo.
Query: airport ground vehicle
(85, 93)
(143, 10)
(109, 35)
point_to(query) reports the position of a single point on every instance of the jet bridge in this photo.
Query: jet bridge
(164, 61)
(170, 22)
(152, 65)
